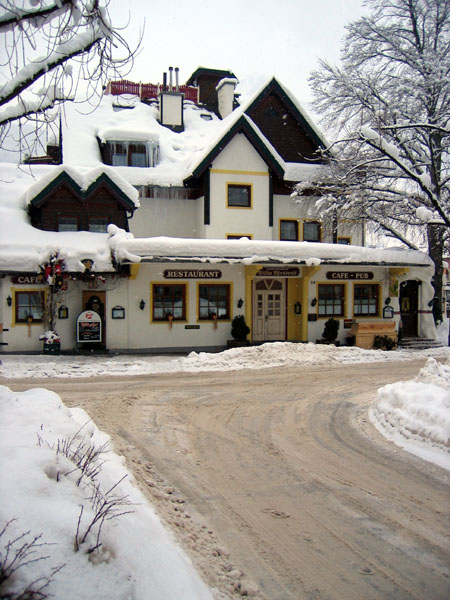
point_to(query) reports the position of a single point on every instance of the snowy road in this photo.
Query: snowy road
(285, 471)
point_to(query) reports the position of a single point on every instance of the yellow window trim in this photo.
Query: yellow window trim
(345, 237)
(288, 219)
(186, 297)
(311, 221)
(248, 235)
(380, 292)
(13, 290)
(229, 283)
(327, 282)
(238, 172)
(239, 183)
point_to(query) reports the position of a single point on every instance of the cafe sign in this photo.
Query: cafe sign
(192, 274)
(349, 275)
(27, 279)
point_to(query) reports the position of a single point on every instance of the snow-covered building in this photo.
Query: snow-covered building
(170, 212)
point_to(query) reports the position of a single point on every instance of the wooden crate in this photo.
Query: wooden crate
(365, 332)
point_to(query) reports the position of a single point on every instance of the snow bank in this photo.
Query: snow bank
(415, 415)
(275, 354)
(137, 559)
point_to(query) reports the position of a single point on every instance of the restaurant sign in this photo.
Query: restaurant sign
(192, 274)
(354, 275)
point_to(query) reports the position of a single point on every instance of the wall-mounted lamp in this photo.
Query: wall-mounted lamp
(240, 303)
(9, 301)
(313, 301)
(298, 308)
(142, 304)
(63, 312)
(387, 301)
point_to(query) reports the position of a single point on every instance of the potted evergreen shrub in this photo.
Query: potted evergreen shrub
(239, 332)
(330, 332)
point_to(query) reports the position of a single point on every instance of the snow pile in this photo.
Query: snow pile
(275, 354)
(43, 492)
(415, 415)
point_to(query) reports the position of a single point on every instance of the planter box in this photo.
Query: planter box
(53, 348)
(365, 332)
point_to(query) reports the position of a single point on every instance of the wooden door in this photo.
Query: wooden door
(269, 311)
(409, 304)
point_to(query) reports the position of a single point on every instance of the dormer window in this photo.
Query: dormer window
(131, 154)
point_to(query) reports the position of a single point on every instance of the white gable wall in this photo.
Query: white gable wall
(165, 216)
(239, 163)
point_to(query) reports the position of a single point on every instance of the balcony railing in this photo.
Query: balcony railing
(146, 91)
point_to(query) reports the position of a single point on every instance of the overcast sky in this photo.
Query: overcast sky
(256, 39)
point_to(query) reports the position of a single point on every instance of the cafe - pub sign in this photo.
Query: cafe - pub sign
(354, 275)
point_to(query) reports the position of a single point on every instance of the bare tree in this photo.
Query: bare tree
(389, 103)
(50, 49)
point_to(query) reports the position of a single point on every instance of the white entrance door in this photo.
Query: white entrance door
(269, 310)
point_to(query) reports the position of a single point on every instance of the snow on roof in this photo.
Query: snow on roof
(24, 248)
(179, 152)
(128, 249)
(125, 118)
(84, 178)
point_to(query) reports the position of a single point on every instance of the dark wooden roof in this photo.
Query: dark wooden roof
(283, 124)
(65, 179)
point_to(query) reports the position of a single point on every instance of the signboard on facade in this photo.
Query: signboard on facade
(27, 279)
(278, 272)
(89, 327)
(354, 275)
(192, 274)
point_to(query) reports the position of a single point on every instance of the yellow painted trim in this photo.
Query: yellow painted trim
(380, 300)
(345, 237)
(250, 273)
(186, 296)
(311, 221)
(294, 322)
(134, 270)
(230, 297)
(327, 282)
(228, 183)
(238, 172)
(394, 274)
(398, 271)
(288, 219)
(13, 291)
(307, 273)
(249, 235)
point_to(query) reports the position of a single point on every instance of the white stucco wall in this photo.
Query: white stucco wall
(144, 334)
(166, 216)
(239, 163)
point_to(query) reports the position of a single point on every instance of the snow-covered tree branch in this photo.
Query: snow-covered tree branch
(388, 104)
(52, 50)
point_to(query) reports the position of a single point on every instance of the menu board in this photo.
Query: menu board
(89, 327)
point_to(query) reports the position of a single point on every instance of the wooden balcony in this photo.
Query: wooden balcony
(147, 91)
